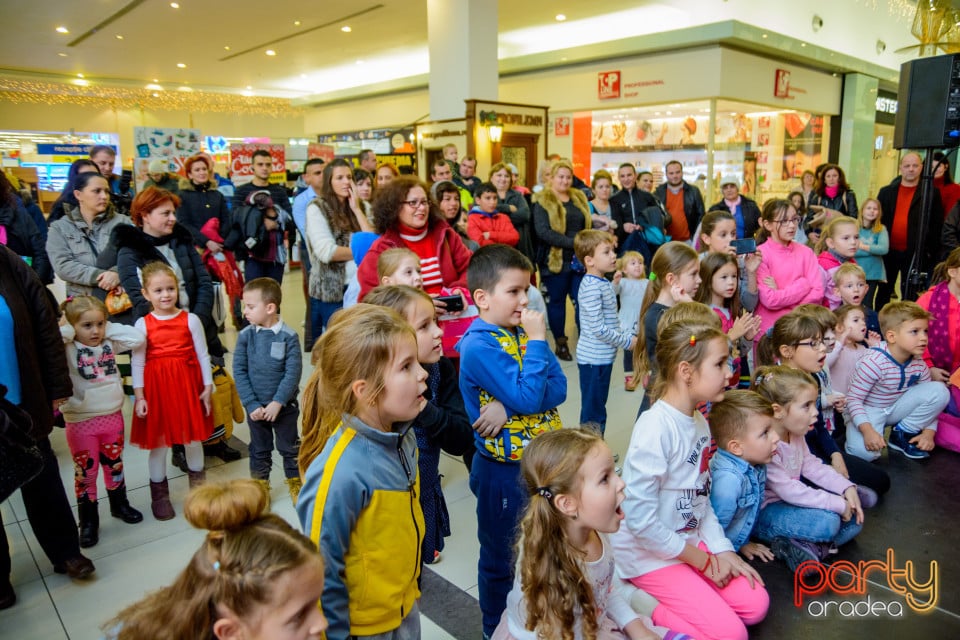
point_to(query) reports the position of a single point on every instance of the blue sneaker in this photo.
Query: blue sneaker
(900, 441)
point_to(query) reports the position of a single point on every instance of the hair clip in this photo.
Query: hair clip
(693, 340)
(216, 565)
(759, 380)
(69, 299)
(652, 276)
(545, 492)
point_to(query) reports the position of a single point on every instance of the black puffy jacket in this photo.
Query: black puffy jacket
(24, 239)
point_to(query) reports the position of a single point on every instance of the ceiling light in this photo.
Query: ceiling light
(180, 65)
(226, 48)
(296, 23)
(270, 52)
(62, 55)
(764, 36)
(81, 82)
(346, 29)
(249, 87)
(803, 44)
(303, 75)
(62, 30)
(156, 80)
(175, 5)
(79, 75)
(153, 87)
(561, 17)
(247, 93)
(184, 88)
(119, 37)
(155, 94)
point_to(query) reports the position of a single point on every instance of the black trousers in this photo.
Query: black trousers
(895, 263)
(49, 512)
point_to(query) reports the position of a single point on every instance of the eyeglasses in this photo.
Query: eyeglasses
(416, 204)
(786, 221)
(813, 344)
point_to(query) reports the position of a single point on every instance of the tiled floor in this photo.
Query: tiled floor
(917, 520)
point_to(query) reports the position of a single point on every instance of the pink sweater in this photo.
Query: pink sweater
(798, 276)
(793, 459)
(829, 265)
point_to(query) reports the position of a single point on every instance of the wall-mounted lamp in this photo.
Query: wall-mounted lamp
(881, 46)
(817, 23)
(496, 132)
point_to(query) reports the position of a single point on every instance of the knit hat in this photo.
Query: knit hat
(157, 165)
(260, 199)
(725, 180)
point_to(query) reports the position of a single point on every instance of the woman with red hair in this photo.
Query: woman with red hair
(200, 202)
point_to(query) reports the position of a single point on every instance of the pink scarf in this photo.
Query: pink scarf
(732, 204)
(832, 191)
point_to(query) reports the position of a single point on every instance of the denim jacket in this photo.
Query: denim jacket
(736, 494)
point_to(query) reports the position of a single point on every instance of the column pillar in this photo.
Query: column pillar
(462, 38)
(856, 131)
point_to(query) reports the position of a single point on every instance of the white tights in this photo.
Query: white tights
(157, 461)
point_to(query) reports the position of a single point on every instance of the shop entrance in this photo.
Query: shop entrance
(519, 149)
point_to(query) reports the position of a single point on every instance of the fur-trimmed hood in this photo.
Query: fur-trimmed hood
(187, 185)
(134, 238)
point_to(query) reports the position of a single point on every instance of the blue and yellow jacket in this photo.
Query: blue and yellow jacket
(499, 364)
(359, 504)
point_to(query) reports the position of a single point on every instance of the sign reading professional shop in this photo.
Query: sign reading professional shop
(608, 85)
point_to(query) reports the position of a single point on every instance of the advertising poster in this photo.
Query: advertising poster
(241, 162)
(171, 144)
(802, 143)
(323, 151)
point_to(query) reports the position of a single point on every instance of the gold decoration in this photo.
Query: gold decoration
(122, 98)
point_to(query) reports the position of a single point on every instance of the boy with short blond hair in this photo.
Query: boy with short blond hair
(892, 386)
(600, 331)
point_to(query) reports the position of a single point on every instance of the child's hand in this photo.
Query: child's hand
(492, 418)
(756, 551)
(847, 511)
(731, 566)
(271, 411)
(874, 339)
(633, 343)
(939, 375)
(872, 440)
(534, 324)
(751, 262)
(256, 414)
(617, 277)
(746, 326)
(838, 400)
(141, 408)
(770, 282)
(924, 440)
(853, 503)
(679, 294)
(836, 461)
(205, 399)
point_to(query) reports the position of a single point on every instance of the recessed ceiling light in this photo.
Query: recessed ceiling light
(226, 48)
(270, 52)
(803, 44)
(763, 35)
(296, 23)
(180, 65)
(81, 82)
(119, 37)
(153, 87)
(62, 30)
(156, 80)
(79, 75)
(185, 88)
(175, 5)
(561, 17)
(247, 93)
(249, 87)
(62, 55)
(346, 29)
(155, 94)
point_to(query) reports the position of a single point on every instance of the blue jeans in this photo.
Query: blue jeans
(559, 286)
(320, 313)
(288, 446)
(501, 500)
(594, 388)
(256, 269)
(782, 520)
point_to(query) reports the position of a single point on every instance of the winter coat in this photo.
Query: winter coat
(750, 211)
(522, 220)
(692, 203)
(170, 181)
(24, 239)
(556, 227)
(198, 205)
(75, 249)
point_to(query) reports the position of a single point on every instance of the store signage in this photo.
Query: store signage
(887, 105)
(241, 162)
(64, 149)
(487, 118)
(608, 85)
(561, 127)
(782, 87)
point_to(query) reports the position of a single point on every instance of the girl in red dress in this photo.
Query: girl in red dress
(172, 382)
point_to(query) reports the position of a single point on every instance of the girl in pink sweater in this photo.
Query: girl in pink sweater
(789, 274)
(801, 522)
(838, 244)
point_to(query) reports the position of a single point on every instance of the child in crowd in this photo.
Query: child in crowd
(399, 266)
(813, 234)
(172, 383)
(802, 520)
(720, 289)
(630, 286)
(442, 424)
(892, 386)
(942, 301)
(800, 204)
(92, 415)
(874, 243)
(358, 460)
(851, 332)
(267, 367)
(447, 196)
(485, 225)
(673, 546)
(566, 579)
(674, 277)
(851, 283)
(254, 576)
(742, 427)
(600, 331)
(837, 246)
(788, 274)
(505, 357)
(718, 230)
(830, 403)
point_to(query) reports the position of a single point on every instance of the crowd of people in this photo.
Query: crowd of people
(770, 345)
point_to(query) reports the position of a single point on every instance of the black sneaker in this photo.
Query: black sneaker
(8, 597)
(796, 552)
(900, 441)
(179, 458)
(221, 450)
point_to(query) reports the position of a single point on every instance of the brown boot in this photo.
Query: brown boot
(160, 496)
(563, 351)
(197, 478)
(294, 485)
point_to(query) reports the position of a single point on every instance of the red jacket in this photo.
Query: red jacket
(498, 225)
(453, 254)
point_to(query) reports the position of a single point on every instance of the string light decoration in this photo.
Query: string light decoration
(124, 98)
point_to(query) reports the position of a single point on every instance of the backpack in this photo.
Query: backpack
(247, 236)
(654, 221)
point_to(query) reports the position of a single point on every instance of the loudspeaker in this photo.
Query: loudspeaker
(928, 115)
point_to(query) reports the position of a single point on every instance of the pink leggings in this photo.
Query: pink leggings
(94, 442)
(692, 604)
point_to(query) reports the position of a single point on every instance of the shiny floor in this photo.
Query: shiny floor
(917, 521)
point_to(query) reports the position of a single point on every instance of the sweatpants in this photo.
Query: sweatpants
(94, 443)
(594, 390)
(915, 410)
(262, 434)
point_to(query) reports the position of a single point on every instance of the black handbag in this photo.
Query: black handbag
(20, 458)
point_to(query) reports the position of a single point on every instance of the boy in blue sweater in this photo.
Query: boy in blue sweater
(600, 332)
(502, 360)
(266, 368)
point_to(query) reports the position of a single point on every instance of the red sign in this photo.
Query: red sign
(322, 151)
(608, 85)
(561, 127)
(781, 87)
(241, 162)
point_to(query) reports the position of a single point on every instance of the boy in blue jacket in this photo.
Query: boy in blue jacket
(504, 356)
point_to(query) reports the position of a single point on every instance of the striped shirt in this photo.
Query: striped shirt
(600, 333)
(880, 380)
(426, 250)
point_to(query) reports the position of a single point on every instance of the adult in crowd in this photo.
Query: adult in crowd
(312, 178)
(364, 183)
(833, 196)
(84, 165)
(808, 183)
(105, 157)
(80, 245)
(900, 207)
(159, 176)
(367, 160)
(745, 211)
(262, 163)
(514, 205)
(441, 172)
(200, 202)
(600, 208)
(33, 370)
(19, 232)
(516, 185)
(405, 217)
(943, 181)
(467, 176)
(682, 200)
(628, 204)
(331, 219)
(645, 181)
(385, 173)
(559, 213)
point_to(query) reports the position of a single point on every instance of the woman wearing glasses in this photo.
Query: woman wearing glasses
(404, 216)
(789, 274)
(331, 220)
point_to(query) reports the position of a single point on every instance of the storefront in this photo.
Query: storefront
(886, 160)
